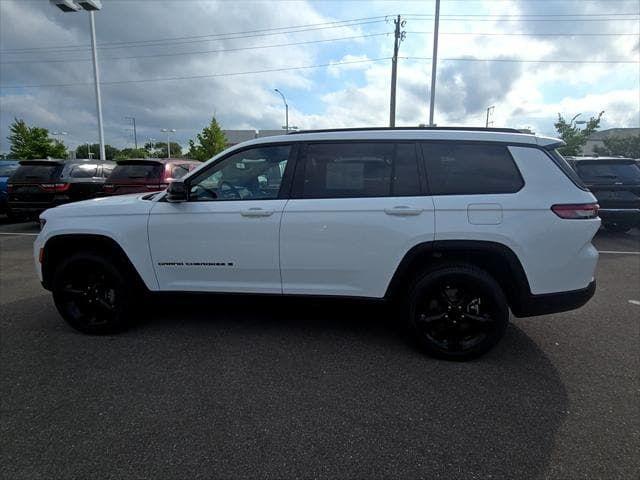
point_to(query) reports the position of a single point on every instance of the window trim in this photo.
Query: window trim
(505, 145)
(285, 184)
(298, 181)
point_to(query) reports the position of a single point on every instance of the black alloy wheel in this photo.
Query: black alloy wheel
(458, 313)
(90, 294)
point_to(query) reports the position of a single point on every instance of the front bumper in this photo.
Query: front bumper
(544, 304)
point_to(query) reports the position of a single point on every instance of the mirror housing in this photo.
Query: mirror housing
(177, 192)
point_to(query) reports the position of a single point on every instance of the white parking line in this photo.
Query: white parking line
(623, 253)
(634, 302)
(20, 234)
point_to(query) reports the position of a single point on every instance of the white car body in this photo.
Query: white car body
(342, 246)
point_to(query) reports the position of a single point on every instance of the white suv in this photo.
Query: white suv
(459, 225)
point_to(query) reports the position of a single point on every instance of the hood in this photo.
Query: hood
(104, 206)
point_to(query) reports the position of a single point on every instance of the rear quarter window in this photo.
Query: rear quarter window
(83, 171)
(470, 169)
(608, 171)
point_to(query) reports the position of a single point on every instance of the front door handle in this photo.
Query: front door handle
(256, 212)
(403, 210)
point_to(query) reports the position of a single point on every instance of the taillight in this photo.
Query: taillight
(9, 188)
(108, 187)
(576, 212)
(55, 187)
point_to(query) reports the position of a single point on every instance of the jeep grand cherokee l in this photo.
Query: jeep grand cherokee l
(459, 227)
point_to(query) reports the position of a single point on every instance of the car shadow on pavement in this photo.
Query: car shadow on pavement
(296, 388)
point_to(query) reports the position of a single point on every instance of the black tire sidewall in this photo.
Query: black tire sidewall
(490, 287)
(112, 268)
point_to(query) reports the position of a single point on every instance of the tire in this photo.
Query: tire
(457, 312)
(617, 227)
(92, 294)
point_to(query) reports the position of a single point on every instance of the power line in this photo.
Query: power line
(519, 15)
(204, 38)
(192, 77)
(73, 60)
(520, 60)
(564, 34)
(528, 19)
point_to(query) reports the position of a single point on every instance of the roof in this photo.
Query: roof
(614, 132)
(595, 159)
(460, 134)
(157, 160)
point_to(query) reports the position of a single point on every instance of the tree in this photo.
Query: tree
(33, 142)
(160, 149)
(620, 146)
(574, 137)
(109, 151)
(209, 142)
(127, 153)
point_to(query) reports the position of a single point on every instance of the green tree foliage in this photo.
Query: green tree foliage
(208, 143)
(109, 151)
(620, 146)
(33, 142)
(159, 150)
(127, 153)
(574, 137)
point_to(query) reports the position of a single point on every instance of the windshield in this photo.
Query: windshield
(137, 171)
(609, 172)
(7, 170)
(37, 173)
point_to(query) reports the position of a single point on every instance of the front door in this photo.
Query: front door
(225, 238)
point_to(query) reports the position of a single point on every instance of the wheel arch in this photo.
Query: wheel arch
(59, 246)
(495, 258)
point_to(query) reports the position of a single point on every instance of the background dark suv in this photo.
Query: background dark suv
(616, 184)
(40, 184)
(146, 175)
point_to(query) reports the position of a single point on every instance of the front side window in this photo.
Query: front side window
(253, 174)
(367, 169)
(470, 169)
(179, 171)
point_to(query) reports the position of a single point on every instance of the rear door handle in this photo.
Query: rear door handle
(256, 212)
(403, 210)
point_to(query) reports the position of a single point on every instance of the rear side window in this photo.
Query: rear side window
(470, 169)
(137, 171)
(374, 169)
(37, 173)
(84, 171)
(7, 170)
(179, 171)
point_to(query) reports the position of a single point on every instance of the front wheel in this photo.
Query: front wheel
(91, 293)
(457, 312)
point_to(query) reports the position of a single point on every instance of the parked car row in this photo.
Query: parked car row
(32, 186)
(615, 182)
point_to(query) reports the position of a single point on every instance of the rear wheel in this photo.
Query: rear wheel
(92, 294)
(457, 312)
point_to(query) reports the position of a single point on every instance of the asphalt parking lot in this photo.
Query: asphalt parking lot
(230, 388)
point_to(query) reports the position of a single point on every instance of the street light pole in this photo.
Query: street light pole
(135, 134)
(434, 64)
(286, 110)
(90, 6)
(96, 76)
(168, 131)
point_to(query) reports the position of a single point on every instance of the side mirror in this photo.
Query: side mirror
(177, 192)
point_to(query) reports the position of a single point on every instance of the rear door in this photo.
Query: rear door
(615, 183)
(356, 208)
(225, 237)
(35, 183)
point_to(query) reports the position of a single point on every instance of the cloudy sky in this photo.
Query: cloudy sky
(174, 64)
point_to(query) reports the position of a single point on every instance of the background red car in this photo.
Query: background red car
(146, 175)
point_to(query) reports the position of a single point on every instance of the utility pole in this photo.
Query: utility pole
(96, 77)
(434, 64)
(135, 134)
(398, 37)
(489, 110)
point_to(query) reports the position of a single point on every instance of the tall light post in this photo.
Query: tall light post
(168, 131)
(434, 64)
(135, 134)
(59, 134)
(286, 110)
(90, 6)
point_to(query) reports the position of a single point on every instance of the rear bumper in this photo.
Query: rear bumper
(533, 305)
(626, 215)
